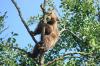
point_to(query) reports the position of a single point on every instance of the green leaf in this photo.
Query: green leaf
(15, 34)
(9, 39)
(13, 40)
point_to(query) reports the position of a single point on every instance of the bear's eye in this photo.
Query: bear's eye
(48, 19)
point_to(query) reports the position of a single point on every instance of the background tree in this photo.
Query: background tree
(79, 18)
(79, 43)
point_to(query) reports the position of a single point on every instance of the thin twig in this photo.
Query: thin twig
(23, 21)
(3, 30)
(4, 14)
(75, 37)
(63, 56)
(72, 33)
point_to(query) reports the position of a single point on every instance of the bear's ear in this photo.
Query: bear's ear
(54, 15)
(51, 14)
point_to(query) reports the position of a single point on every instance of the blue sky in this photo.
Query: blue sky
(28, 8)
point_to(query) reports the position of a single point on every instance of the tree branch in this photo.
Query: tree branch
(44, 19)
(77, 39)
(63, 56)
(41, 57)
(23, 21)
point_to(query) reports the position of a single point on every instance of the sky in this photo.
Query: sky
(28, 8)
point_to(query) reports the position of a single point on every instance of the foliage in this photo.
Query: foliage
(9, 50)
(79, 17)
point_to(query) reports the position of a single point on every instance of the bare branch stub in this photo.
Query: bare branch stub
(23, 21)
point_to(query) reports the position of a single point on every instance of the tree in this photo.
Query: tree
(79, 38)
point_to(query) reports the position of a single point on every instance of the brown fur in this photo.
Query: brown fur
(51, 34)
